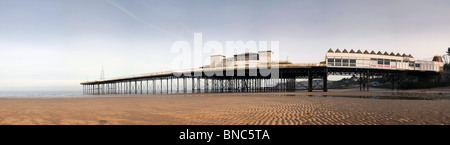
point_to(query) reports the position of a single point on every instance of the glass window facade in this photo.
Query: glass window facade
(345, 62)
(387, 62)
(337, 62)
(352, 62)
(330, 62)
(380, 61)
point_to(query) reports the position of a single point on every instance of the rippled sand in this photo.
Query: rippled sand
(223, 109)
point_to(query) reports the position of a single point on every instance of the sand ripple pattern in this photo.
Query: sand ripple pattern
(227, 109)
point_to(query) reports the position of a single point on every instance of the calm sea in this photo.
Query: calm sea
(41, 94)
(57, 94)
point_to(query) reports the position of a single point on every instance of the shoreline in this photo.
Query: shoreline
(422, 94)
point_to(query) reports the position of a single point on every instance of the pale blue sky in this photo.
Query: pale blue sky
(55, 44)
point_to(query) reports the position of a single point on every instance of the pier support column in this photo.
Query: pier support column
(184, 85)
(154, 86)
(193, 84)
(129, 87)
(222, 87)
(363, 81)
(325, 82)
(367, 80)
(141, 87)
(205, 82)
(98, 89)
(198, 85)
(360, 81)
(135, 87)
(310, 79)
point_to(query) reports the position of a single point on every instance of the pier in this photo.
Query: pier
(242, 80)
(257, 72)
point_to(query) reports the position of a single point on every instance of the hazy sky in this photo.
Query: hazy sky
(56, 44)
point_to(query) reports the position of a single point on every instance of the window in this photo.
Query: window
(411, 64)
(417, 64)
(380, 61)
(337, 62)
(387, 62)
(345, 62)
(373, 59)
(352, 62)
(330, 62)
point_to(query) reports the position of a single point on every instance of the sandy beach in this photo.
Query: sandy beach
(293, 108)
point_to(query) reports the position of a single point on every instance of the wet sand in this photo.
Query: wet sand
(230, 109)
